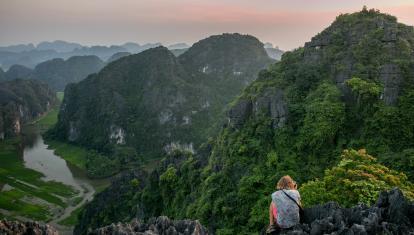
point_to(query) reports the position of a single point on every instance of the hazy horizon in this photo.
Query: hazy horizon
(287, 25)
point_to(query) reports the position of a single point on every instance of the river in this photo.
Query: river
(39, 157)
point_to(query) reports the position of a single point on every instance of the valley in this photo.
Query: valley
(228, 135)
(38, 184)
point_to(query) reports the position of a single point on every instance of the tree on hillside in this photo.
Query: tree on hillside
(358, 178)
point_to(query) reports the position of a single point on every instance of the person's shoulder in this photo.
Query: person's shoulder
(296, 192)
(276, 194)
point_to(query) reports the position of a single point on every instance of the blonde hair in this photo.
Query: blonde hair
(286, 182)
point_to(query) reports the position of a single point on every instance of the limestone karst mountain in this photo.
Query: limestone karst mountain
(176, 102)
(351, 86)
(20, 102)
(57, 73)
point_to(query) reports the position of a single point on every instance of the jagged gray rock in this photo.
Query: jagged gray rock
(25, 228)
(271, 104)
(156, 226)
(392, 214)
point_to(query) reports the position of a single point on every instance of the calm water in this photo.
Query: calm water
(38, 157)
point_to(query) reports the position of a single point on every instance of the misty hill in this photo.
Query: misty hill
(2, 75)
(117, 56)
(178, 46)
(57, 73)
(273, 52)
(351, 86)
(58, 46)
(26, 58)
(22, 101)
(174, 101)
(29, 55)
(18, 48)
(18, 71)
(178, 52)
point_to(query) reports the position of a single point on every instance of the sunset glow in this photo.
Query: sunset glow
(287, 24)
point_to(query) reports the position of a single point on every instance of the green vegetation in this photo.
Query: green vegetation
(12, 201)
(21, 102)
(27, 183)
(47, 121)
(357, 178)
(349, 88)
(50, 118)
(57, 73)
(163, 102)
(72, 219)
(75, 155)
(60, 95)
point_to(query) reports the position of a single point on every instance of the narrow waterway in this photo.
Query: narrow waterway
(38, 157)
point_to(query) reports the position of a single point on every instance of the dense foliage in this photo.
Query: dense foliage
(357, 178)
(349, 87)
(57, 73)
(22, 101)
(155, 102)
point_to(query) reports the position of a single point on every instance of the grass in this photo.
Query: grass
(71, 153)
(11, 201)
(27, 182)
(48, 120)
(74, 154)
(72, 219)
(60, 95)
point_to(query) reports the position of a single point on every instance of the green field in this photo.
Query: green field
(47, 121)
(60, 95)
(27, 184)
(72, 219)
(71, 153)
(27, 195)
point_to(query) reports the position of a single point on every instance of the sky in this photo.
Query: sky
(287, 24)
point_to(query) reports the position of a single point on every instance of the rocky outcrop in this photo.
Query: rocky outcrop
(392, 214)
(156, 102)
(391, 77)
(270, 103)
(57, 73)
(18, 71)
(161, 225)
(20, 102)
(25, 228)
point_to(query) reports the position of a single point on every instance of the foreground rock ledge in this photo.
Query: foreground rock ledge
(26, 228)
(161, 225)
(391, 214)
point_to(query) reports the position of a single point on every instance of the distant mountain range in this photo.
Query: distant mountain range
(29, 55)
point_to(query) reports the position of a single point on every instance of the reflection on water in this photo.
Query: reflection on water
(38, 157)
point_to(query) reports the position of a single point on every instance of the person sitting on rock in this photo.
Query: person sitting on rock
(284, 208)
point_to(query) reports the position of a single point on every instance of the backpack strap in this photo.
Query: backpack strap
(291, 198)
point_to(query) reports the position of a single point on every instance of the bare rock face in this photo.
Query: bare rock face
(391, 77)
(27, 228)
(155, 226)
(270, 103)
(239, 113)
(392, 214)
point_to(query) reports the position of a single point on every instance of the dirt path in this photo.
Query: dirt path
(87, 192)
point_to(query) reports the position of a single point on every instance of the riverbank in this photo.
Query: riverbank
(37, 183)
(24, 194)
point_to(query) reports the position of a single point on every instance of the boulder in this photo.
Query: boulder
(392, 214)
(155, 226)
(25, 228)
